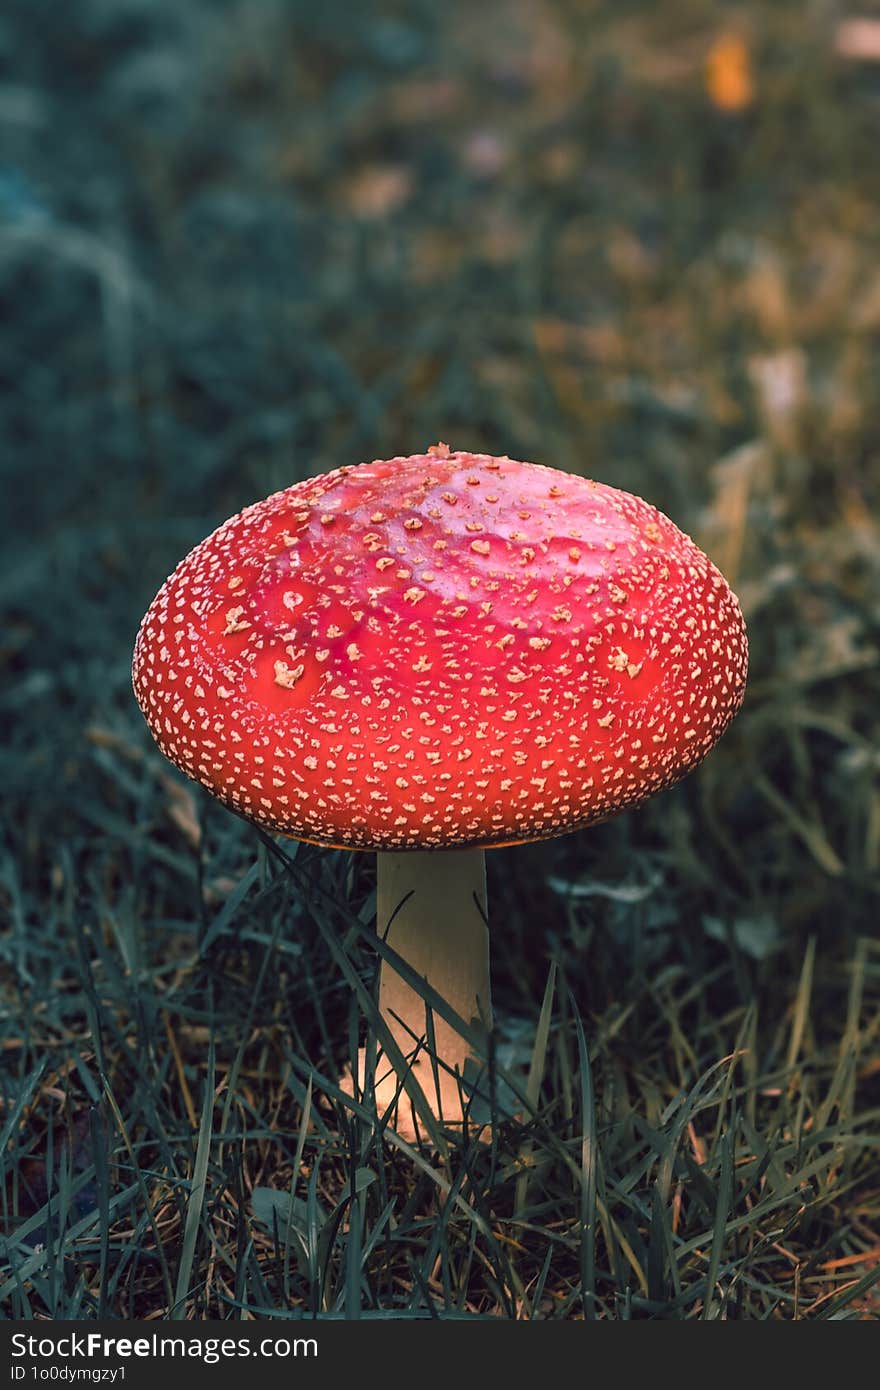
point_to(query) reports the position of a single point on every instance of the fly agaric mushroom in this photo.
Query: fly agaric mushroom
(430, 657)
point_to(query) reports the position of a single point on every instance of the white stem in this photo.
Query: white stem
(431, 909)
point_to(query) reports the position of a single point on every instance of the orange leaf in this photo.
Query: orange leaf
(729, 74)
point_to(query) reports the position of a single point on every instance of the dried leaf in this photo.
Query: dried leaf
(729, 79)
(858, 38)
(780, 382)
(182, 809)
(378, 190)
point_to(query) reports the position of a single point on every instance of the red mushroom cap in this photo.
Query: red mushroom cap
(443, 650)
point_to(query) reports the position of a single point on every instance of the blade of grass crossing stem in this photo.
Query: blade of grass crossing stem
(431, 1039)
(533, 1085)
(369, 1006)
(358, 1081)
(379, 1027)
(588, 1168)
(197, 1193)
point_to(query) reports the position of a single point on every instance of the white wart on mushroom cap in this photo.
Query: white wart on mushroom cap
(442, 650)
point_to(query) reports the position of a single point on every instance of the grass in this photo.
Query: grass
(241, 244)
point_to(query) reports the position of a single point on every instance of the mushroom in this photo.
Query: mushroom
(429, 657)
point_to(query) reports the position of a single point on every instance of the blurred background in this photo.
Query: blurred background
(245, 241)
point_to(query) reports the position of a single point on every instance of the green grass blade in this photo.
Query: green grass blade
(587, 1222)
(196, 1198)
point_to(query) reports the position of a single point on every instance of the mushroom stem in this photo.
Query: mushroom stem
(431, 910)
